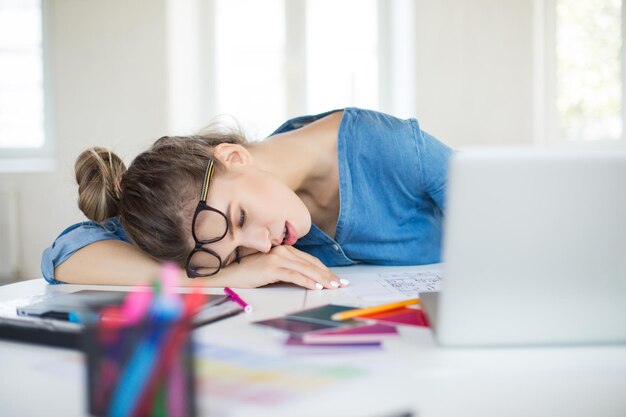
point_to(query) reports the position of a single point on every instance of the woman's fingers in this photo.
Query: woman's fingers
(287, 264)
(319, 264)
(294, 260)
(299, 279)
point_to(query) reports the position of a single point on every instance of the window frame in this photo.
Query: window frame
(546, 129)
(396, 57)
(41, 158)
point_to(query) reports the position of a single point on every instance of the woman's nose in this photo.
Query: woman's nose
(258, 240)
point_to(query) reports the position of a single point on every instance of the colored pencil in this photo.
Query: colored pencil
(344, 315)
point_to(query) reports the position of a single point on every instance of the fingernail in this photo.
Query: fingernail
(319, 286)
(344, 281)
(334, 284)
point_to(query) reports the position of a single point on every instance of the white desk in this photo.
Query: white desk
(410, 373)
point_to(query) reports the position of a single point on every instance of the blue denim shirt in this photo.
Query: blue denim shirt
(392, 181)
(76, 237)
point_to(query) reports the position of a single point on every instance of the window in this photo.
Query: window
(249, 73)
(22, 128)
(342, 54)
(585, 73)
(264, 62)
(283, 58)
(588, 69)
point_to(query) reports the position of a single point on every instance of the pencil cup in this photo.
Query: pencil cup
(141, 369)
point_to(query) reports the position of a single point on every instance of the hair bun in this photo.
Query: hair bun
(98, 174)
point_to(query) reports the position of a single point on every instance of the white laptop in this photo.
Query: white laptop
(534, 249)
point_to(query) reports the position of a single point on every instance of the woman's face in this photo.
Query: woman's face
(263, 212)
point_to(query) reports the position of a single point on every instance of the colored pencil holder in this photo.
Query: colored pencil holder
(142, 369)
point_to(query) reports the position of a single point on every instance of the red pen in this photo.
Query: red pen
(236, 298)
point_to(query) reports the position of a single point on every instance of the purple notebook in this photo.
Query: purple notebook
(294, 341)
(363, 334)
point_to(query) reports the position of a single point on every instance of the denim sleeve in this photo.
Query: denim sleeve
(434, 157)
(76, 237)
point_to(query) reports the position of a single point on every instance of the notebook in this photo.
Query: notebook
(402, 316)
(322, 315)
(372, 333)
(294, 327)
(310, 320)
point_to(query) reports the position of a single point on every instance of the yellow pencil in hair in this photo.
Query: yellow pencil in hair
(348, 314)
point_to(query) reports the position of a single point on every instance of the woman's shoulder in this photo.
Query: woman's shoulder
(301, 121)
(111, 226)
(76, 237)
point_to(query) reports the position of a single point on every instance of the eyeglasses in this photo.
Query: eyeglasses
(214, 228)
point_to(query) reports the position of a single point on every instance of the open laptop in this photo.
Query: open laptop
(534, 249)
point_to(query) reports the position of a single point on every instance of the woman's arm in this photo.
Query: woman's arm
(114, 262)
(107, 262)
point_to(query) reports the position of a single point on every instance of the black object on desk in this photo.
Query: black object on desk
(47, 332)
(47, 322)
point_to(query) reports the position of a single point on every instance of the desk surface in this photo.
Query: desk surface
(409, 373)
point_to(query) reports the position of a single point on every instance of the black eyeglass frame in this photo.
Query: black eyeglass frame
(199, 244)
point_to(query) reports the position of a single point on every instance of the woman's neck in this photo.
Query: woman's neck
(306, 160)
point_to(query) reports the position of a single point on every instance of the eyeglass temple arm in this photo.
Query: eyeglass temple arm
(207, 181)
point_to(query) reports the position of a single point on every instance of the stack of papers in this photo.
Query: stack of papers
(315, 327)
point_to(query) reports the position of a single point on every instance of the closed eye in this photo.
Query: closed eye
(242, 221)
(242, 218)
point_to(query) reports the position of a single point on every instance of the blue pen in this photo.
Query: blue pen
(135, 375)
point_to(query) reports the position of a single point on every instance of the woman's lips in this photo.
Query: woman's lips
(291, 236)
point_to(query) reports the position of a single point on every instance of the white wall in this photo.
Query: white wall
(474, 70)
(110, 88)
(108, 82)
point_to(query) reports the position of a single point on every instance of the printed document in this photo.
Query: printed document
(383, 286)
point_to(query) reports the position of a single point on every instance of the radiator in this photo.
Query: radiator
(9, 244)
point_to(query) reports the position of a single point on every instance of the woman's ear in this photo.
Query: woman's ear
(232, 155)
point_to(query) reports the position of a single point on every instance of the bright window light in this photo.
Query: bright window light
(250, 80)
(342, 54)
(21, 75)
(588, 69)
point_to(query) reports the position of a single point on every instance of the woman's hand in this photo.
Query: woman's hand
(282, 263)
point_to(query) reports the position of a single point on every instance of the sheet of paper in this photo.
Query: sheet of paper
(384, 286)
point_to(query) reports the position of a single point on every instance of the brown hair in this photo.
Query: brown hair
(97, 173)
(155, 198)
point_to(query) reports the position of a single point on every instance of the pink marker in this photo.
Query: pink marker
(236, 298)
(169, 279)
(136, 305)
